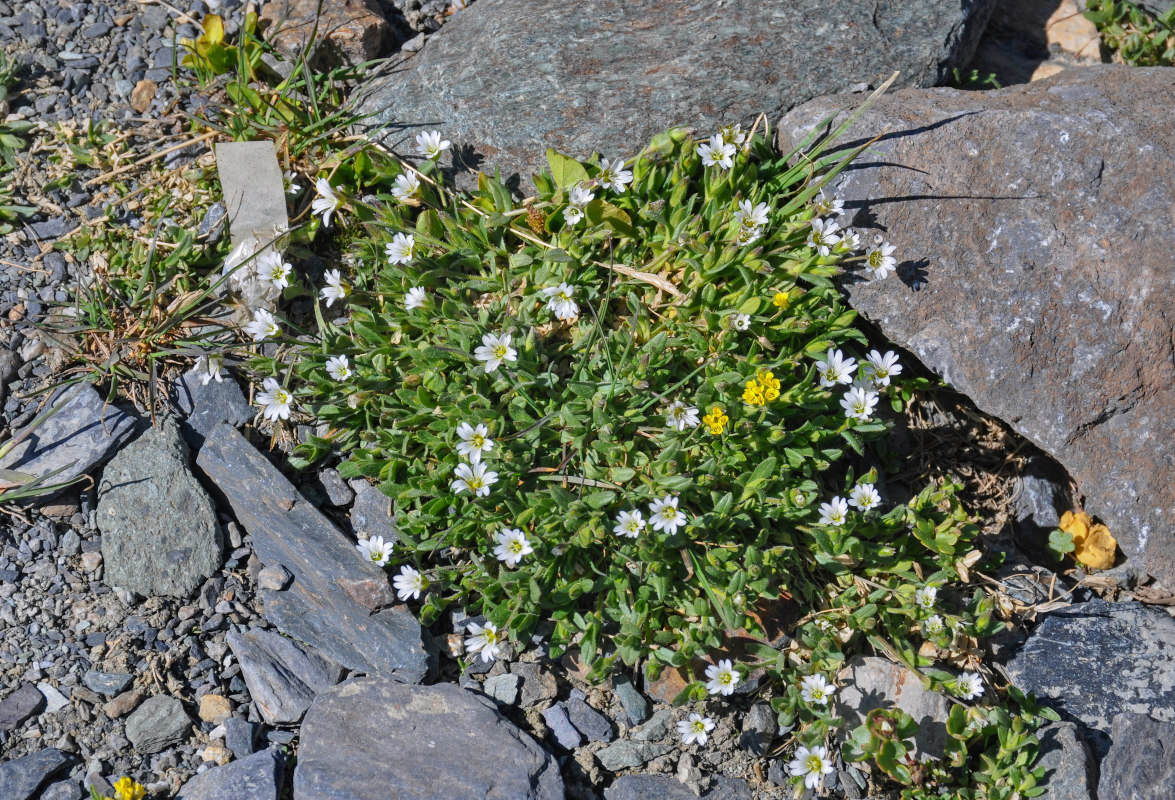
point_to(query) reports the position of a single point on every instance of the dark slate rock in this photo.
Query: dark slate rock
(626, 754)
(108, 683)
(759, 728)
(160, 534)
(591, 723)
(1009, 209)
(21, 777)
(339, 602)
(63, 790)
(1141, 761)
(538, 684)
(157, 724)
(564, 732)
(1068, 765)
(53, 228)
(371, 513)
(584, 77)
(19, 706)
(1041, 497)
(636, 707)
(257, 777)
(1122, 655)
(283, 676)
(240, 737)
(204, 406)
(446, 741)
(660, 787)
(79, 437)
(211, 227)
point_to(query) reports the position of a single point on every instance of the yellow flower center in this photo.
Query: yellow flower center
(477, 441)
(815, 763)
(500, 352)
(474, 483)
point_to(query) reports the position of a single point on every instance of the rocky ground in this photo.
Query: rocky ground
(199, 620)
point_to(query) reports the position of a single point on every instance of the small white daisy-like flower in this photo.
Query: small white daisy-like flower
(733, 134)
(829, 206)
(275, 401)
(679, 416)
(864, 497)
(474, 478)
(613, 176)
(880, 368)
(430, 144)
(824, 624)
(969, 686)
(327, 201)
(717, 152)
(850, 240)
(263, 326)
(823, 236)
(270, 267)
(210, 367)
(629, 523)
(399, 249)
(495, 351)
(414, 298)
(722, 678)
(858, 403)
(879, 260)
(835, 368)
(750, 215)
(812, 764)
(740, 322)
(335, 288)
(375, 549)
(512, 546)
(485, 639)
(338, 368)
(695, 729)
(475, 440)
(665, 515)
(560, 303)
(834, 511)
(924, 598)
(815, 689)
(291, 181)
(409, 584)
(933, 626)
(747, 235)
(406, 186)
(577, 198)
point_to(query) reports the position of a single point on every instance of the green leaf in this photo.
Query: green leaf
(566, 171)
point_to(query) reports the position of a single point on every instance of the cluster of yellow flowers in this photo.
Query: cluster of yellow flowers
(716, 420)
(127, 789)
(761, 389)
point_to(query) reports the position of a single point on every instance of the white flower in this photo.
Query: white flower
(613, 176)
(747, 235)
(414, 298)
(262, 326)
(629, 523)
(695, 729)
(858, 403)
(823, 236)
(559, 301)
(813, 764)
(924, 598)
(750, 215)
(834, 511)
(291, 180)
(335, 289)
(512, 546)
(495, 351)
(732, 134)
(835, 368)
(430, 145)
(327, 201)
(577, 198)
(338, 368)
(376, 549)
(815, 689)
(270, 267)
(740, 322)
(723, 677)
(399, 249)
(879, 260)
(717, 152)
(850, 240)
(665, 515)
(474, 478)
(210, 367)
(829, 206)
(969, 686)
(406, 186)
(474, 441)
(409, 584)
(879, 368)
(824, 625)
(485, 640)
(864, 497)
(933, 626)
(275, 401)
(679, 416)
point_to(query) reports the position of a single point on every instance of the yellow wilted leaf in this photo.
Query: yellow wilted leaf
(213, 29)
(1097, 549)
(1076, 525)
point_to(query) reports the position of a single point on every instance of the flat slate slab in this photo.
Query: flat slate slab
(338, 602)
(21, 777)
(505, 79)
(255, 777)
(282, 675)
(1141, 762)
(661, 787)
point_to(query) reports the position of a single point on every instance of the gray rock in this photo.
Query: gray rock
(561, 728)
(239, 736)
(659, 787)
(871, 683)
(54, 700)
(760, 726)
(1005, 208)
(1068, 766)
(1122, 655)
(530, 85)
(334, 488)
(21, 777)
(63, 790)
(108, 683)
(71, 543)
(448, 742)
(371, 513)
(160, 535)
(76, 439)
(656, 728)
(1040, 498)
(503, 688)
(538, 685)
(255, 196)
(339, 602)
(157, 724)
(19, 706)
(1141, 762)
(626, 754)
(256, 777)
(591, 723)
(636, 707)
(273, 578)
(204, 406)
(283, 676)
(212, 225)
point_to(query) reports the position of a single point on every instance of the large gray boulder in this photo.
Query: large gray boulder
(1141, 761)
(606, 76)
(160, 535)
(1034, 227)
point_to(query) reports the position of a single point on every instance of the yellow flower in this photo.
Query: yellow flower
(781, 300)
(753, 393)
(716, 420)
(126, 789)
(1093, 545)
